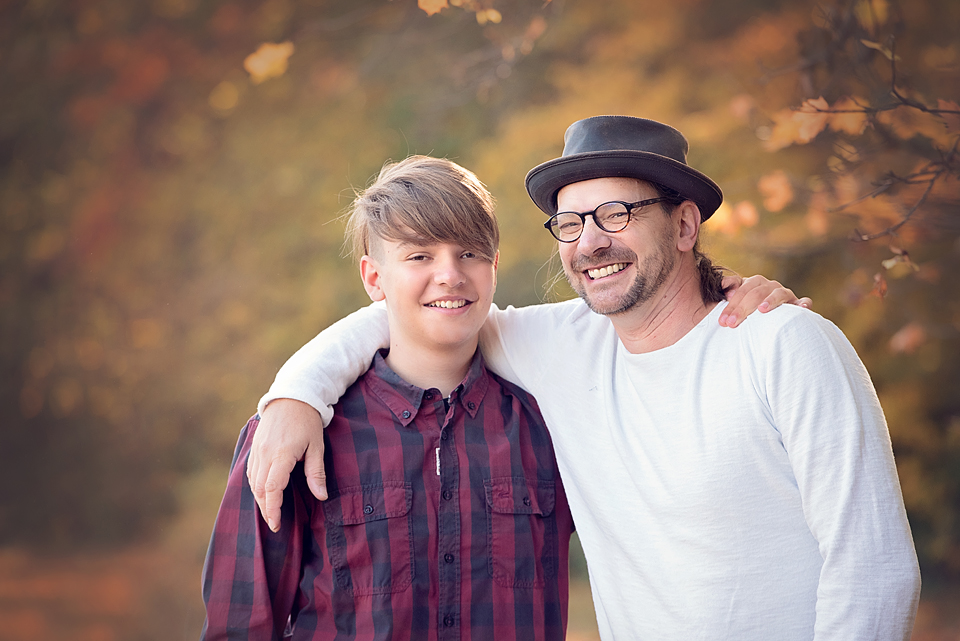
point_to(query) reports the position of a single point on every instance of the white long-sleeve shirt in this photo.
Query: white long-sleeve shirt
(738, 484)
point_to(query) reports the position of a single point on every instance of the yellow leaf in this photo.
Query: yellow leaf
(268, 61)
(853, 122)
(431, 7)
(776, 189)
(879, 47)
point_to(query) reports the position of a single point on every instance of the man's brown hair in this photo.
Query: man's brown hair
(424, 200)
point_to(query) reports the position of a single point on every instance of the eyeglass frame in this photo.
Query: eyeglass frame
(630, 207)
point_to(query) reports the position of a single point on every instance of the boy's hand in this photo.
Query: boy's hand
(747, 295)
(289, 430)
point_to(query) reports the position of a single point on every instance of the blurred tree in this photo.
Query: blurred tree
(167, 170)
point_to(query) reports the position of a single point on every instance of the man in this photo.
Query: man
(446, 518)
(725, 484)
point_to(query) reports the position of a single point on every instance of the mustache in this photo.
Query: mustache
(580, 263)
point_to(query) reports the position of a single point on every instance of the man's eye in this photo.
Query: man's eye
(615, 216)
(569, 226)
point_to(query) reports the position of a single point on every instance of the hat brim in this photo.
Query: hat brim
(545, 180)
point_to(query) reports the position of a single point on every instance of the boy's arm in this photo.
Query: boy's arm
(320, 372)
(825, 407)
(251, 575)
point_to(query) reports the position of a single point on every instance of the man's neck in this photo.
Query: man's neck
(667, 317)
(443, 369)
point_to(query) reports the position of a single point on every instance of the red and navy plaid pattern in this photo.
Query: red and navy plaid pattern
(442, 523)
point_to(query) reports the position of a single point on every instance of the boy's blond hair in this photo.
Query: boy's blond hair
(424, 199)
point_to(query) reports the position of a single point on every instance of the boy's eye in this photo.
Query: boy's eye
(468, 255)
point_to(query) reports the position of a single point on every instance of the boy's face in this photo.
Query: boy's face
(437, 294)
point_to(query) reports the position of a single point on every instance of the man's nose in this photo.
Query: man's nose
(593, 238)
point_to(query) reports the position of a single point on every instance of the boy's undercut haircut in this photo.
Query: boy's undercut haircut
(424, 200)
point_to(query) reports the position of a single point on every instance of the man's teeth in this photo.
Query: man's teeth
(448, 304)
(605, 271)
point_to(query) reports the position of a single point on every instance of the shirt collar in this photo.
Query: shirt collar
(405, 400)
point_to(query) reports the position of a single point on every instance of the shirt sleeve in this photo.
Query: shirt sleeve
(825, 406)
(321, 371)
(250, 574)
(514, 343)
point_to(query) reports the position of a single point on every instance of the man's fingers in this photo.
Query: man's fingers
(314, 471)
(272, 492)
(747, 298)
(806, 302)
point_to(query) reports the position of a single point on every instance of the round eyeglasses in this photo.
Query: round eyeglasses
(611, 217)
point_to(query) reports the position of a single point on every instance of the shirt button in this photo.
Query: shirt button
(406, 414)
(368, 509)
(448, 621)
(526, 501)
(444, 435)
(428, 395)
(447, 494)
(448, 558)
(471, 405)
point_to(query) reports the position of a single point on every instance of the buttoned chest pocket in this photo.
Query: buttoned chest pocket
(369, 536)
(522, 531)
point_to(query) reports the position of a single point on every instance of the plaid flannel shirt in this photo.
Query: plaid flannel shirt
(446, 520)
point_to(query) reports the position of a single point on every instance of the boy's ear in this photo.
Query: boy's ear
(370, 275)
(496, 261)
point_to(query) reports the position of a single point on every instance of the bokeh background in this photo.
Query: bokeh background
(173, 172)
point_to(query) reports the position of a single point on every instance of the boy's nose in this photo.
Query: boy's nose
(449, 273)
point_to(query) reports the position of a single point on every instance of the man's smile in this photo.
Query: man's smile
(602, 272)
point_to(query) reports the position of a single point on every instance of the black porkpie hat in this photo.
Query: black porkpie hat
(622, 147)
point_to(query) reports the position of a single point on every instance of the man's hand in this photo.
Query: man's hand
(747, 295)
(289, 430)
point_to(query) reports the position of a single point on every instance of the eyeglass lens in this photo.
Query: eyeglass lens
(610, 217)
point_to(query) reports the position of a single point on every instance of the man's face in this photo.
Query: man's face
(437, 294)
(614, 272)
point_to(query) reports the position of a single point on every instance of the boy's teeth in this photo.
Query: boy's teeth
(605, 271)
(448, 304)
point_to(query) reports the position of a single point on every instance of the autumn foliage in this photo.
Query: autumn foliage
(174, 171)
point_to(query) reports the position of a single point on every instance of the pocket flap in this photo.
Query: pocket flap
(365, 503)
(518, 495)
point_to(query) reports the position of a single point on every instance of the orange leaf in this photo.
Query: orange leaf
(268, 61)
(852, 123)
(431, 7)
(812, 119)
(879, 286)
(908, 339)
(785, 131)
(776, 189)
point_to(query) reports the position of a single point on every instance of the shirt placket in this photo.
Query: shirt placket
(448, 526)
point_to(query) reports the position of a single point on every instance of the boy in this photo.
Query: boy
(446, 517)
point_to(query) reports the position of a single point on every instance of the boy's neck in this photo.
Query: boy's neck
(443, 369)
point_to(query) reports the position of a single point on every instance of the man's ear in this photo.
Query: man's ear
(370, 275)
(688, 225)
